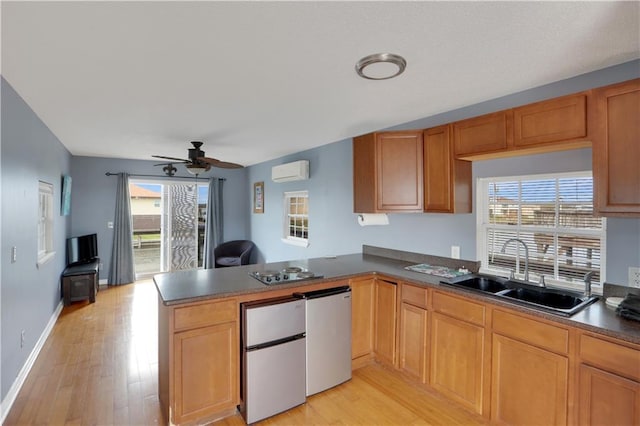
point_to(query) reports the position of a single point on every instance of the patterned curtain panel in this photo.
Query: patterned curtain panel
(122, 269)
(213, 223)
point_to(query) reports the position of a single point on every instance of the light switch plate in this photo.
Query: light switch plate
(634, 277)
(455, 252)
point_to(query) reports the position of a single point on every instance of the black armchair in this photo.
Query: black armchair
(233, 253)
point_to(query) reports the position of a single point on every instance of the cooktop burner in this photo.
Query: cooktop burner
(290, 274)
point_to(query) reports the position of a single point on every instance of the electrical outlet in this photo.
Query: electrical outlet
(634, 277)
(22, 338)
(14, 254)
(455, 252)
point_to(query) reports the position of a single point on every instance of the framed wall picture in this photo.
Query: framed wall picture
(258, 197)
(65, 199)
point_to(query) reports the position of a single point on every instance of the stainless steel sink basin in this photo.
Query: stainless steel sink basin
(560, 302)
(485, 283)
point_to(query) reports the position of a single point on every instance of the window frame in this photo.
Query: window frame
(482, 224)
(286, 216)
(45, 223)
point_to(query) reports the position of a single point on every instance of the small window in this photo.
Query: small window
(296, 218)
(553, 216)
(45, 222)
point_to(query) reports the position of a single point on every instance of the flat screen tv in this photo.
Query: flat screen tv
(82, 249)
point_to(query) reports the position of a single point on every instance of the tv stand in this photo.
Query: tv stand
(80, 282)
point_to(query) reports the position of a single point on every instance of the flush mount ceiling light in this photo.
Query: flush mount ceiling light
(381, 66)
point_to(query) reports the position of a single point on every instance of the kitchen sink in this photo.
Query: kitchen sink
(485, 283)
(556, 301)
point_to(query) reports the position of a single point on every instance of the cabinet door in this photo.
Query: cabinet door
(447, 182)
(529, 385)
(555, 120)
(607, 399)
(457, 360)
(399, 171)
(206, 371)
(385, 322)
(413, 341)
(362, 316)
(616, 149)
(481, 135)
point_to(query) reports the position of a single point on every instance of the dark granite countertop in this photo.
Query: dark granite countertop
(190, 286)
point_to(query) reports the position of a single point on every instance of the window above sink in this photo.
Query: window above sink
(553, 215)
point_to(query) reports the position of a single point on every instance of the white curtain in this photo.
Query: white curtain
(122, 269)
(213, 224)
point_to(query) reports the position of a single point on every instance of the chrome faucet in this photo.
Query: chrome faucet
(526, 255)
(587, 283)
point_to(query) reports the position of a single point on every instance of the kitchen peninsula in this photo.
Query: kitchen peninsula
(410, 322)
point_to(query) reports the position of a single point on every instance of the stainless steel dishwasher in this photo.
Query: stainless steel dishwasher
(273, 357)
(328, 314)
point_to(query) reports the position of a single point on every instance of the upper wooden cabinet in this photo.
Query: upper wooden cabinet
(551, 125)
(447, 182)
(485, 134)
(616, 149)
(388, 172)
(550, 121)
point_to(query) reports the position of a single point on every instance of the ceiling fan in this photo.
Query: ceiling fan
(197, 162)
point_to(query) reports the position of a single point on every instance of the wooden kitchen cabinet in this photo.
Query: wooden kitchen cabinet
(198, 360)
(384, 344)
(552, 121)
(447, 181)
(616, 149)
(609, 382)
(388, 172)
(458, 351)
(362, 317)
(529, 371)
(413, 339)
(206, 371)
(483, 135)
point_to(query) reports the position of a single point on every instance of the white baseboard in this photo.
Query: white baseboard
(103, 282)
(8, 400)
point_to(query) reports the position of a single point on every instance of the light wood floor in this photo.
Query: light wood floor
(99, 367)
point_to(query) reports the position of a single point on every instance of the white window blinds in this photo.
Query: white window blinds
(552, 214)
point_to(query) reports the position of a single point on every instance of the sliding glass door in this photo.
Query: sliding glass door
(168, 225)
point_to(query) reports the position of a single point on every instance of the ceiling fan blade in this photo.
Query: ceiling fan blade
(221, 164)
(170, 162)
(171, 158)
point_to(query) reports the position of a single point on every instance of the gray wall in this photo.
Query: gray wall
(29, 295)
(333, 226)
(93, 198)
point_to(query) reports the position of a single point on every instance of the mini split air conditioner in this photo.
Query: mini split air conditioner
(298, 170)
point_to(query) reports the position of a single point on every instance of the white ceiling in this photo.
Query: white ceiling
(258, 80)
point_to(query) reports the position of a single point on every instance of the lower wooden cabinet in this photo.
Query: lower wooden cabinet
(528, 385)
(609, 382)
(413, 341)
(384, 344)
(607, 399)
(362, 317)
(457, 360)
(206, 371)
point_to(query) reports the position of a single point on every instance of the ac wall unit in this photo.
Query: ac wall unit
(298, 170)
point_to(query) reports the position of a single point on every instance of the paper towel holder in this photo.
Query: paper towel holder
(368, 219)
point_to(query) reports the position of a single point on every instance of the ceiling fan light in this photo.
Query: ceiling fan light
(381, 66)
(195, 169)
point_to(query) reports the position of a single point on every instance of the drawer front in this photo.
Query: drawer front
(459, 308)
(414, 295)
(205, 314)
(611, 357)
(532, 331)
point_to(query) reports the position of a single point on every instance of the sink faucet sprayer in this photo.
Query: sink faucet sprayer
(526, 255)
(587, 283)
